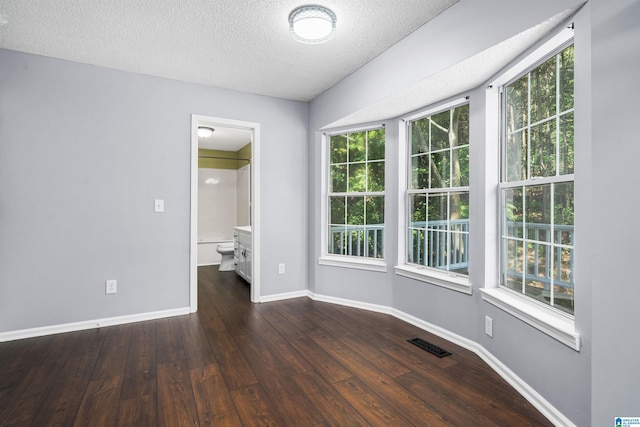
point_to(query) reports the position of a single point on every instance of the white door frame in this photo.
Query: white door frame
(255, 203)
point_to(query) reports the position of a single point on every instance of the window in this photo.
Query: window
(438, 191)
(537, 249)
(356, 194)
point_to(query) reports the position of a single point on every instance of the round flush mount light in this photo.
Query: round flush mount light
(205, 131)
(312, 24)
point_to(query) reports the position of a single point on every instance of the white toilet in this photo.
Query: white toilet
(226, 263)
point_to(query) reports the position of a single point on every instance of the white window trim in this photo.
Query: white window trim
(546, 319)
(542, 317)
(335, 260)
(358, 263)
(431, 276)
(436, 277)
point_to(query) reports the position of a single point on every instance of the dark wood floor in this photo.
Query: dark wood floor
(288, 363)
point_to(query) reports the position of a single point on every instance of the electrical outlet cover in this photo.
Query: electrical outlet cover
(488, 326)
(111, 286)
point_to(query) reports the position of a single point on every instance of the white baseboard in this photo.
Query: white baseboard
(90, 324)
(351, 303)
(530, 394)
(283, 296)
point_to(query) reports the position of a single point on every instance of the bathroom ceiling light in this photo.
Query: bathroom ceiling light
(205, 131)
(312, 24)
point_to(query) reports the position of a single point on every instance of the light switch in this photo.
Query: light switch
(159, 205)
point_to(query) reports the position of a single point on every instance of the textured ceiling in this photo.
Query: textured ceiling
(237, 44)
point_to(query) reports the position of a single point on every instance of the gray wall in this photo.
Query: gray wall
(561, 375)
(615, 176)
(85, 150)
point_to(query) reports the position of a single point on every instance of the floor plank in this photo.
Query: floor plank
(213, 398)
(96, 408)
(176, 404)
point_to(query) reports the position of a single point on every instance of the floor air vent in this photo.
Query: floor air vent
(431, 348)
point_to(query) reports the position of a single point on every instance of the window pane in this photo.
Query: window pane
(513, 264)
(462, 129)
(517, 156)
(458, 251)
(514, 212)
(440, 130)
(375, 149)
(418, 209)
(420, 172)
(563, 203)
(539, 263)
(459, 232)
(565, 59)
(416, 245)
(459, 206)
(355, 210)
(420, 136)
(543, 91)
(543, 149)
(417, 233)
(460, 169)
(563, 213)
(566, 144)
(538, 272)
(440, 169)
(357, 144)
(538, 211)
(375, 226)
(376, 176)
(517, 104)
(375, 210)
(437, 208)
(357, 177)
(338, 178)
(437, 239)
(337, 210)
(563, 275)
(337, 240)
(338, 145)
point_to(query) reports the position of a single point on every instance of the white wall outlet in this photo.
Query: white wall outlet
(158, 205)
(488, 326)
(280, 268)
(111, 286)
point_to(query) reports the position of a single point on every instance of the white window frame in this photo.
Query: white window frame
(432, 276)
(337, 260)
(547, 319)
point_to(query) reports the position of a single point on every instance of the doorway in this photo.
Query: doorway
(254, 207)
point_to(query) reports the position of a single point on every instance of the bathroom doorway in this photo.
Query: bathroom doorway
(231, 153)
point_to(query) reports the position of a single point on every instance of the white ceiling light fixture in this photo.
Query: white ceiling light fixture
(312, 24)
(205, 131)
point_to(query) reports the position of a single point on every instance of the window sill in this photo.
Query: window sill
(354, 262)
(445, 280)
(545, 319)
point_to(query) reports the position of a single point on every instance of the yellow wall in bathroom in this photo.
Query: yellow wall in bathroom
(224, 159)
